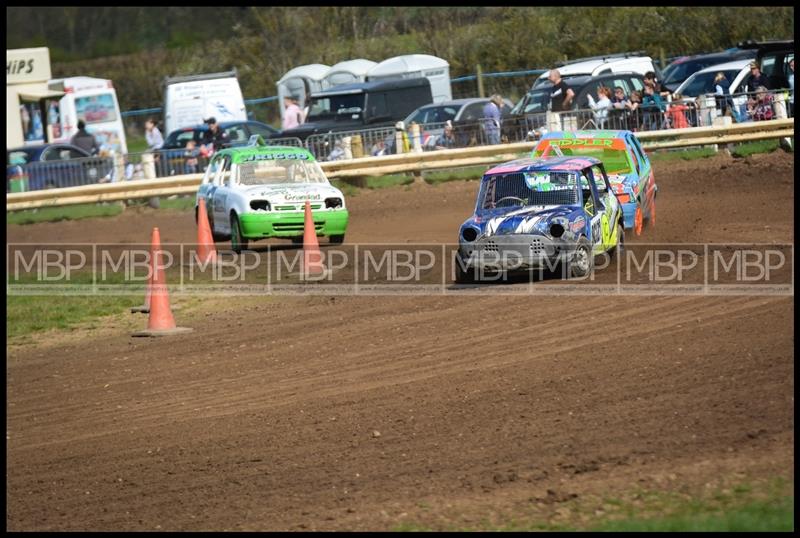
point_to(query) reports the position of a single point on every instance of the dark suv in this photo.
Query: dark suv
(685, 66)
(364, 105)
(537, 101)
(773, 57)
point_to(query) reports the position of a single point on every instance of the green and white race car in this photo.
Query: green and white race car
(256, 191)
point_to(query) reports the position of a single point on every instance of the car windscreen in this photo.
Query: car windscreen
(614, 160)
(178, 139)
(520, 189)
(533, 101)
(280, 171)
(334, 106)
(701, 83)
(433, 114)
(684, 70)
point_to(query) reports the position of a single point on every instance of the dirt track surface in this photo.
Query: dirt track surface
(366, 412)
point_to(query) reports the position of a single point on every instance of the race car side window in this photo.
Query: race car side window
(223, 174)
(638, 150)
(211, 171)
(589, 202)
(599, 180)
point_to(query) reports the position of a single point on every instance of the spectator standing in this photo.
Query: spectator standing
(601, 107)
(85, 140)
(491, 119)
(561, 95)
(633, 111)
(619, 106)
(213, 138)
(292, 116)
(756, 78)
(153, 136)
(676, 113)
(722, 93)
(653, 108)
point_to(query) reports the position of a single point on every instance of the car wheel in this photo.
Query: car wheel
(336, 239)
(238, 242)
(582, 260)
(216, 236)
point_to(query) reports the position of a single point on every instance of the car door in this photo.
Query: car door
(608, 209)
(60, 168)
(222, 181)
(593, 208)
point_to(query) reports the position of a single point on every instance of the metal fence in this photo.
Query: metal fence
(684, 113)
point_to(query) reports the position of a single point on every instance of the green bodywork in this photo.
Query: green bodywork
(290, 224)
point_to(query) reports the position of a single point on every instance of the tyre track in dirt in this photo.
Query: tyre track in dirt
(264, 417)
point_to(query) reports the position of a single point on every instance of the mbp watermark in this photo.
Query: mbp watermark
(383, 269)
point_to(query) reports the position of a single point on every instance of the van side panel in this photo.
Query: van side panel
(189, 103)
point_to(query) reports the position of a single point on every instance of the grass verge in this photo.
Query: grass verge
(765, 506)
(70, 212)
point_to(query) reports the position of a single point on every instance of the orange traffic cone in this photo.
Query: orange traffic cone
(312, 257)
(206, 251)
(161, 322)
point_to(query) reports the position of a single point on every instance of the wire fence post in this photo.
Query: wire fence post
(149, 169)
(479, 74)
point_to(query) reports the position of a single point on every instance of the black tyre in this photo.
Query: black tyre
(238, 242)
(216, 236)
(582, 260)
(336, 239)
(297, 240)
(464, 276)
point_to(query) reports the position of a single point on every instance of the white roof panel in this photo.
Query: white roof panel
(408, 63)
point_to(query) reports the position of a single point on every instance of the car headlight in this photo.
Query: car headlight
(260, 205)
(332, 203)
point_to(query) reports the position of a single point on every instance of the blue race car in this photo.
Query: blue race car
(539, 213)
(626, 163)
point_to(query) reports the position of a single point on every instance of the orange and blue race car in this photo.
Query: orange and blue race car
(627, 165)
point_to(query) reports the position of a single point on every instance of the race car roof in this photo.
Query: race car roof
(250, 153)
(585, 134)
(562, 164)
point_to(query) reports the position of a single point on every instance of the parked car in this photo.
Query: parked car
(629, 170)
(364, 105)
(702, 83)
(171, 158)
(465, 115)
(540, 214)
(685, 66)
(536, 102)
(602, 65)
(256, 191)
(773, 57)
(49, 166)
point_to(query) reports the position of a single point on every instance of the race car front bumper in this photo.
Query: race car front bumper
(291, 224)
(515, 252)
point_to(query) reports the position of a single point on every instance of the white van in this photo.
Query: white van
(191, 99)
(92, 100)
(601, 65)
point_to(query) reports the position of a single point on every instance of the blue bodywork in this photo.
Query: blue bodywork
(545, 214)
(635, 185)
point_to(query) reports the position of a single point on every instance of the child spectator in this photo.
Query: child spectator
(634, 111)
(190, 154)
(676, 113)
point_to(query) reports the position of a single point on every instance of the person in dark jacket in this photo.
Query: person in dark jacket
(213, 139)
(85, 140)
(756, 78)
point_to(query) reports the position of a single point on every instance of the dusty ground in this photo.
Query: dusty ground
(368, 412)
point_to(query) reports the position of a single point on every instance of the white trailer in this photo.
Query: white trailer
(301, 82)
(348, 72)
(435, 69)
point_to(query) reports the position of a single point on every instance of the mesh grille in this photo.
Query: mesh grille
(501, 186)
